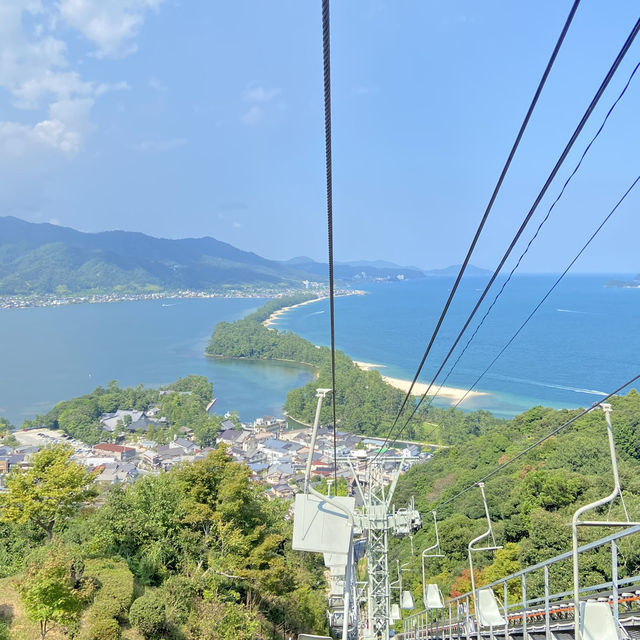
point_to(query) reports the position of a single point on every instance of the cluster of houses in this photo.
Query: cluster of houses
(275, 454)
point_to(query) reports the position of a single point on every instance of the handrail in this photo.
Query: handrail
(575, 521)
(618, 535)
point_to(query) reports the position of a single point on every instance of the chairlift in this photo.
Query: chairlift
(488, 597)
(431, 592)
(583, 622)
(395, 613)
(406, 600)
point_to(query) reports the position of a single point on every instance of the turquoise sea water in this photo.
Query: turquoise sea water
(584, 342)
(56, 353)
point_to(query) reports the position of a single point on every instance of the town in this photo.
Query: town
(275, 453)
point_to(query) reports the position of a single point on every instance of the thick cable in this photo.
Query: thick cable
(489, 207)
(525, 222)
(544, 298)
(539, 442)
(535, 235)
(326, 57)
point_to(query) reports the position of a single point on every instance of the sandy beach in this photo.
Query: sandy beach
(450, 393)
(270, 321)
(276, 314)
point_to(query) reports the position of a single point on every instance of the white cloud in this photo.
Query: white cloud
(160, 145)
(255, 93)
(36, 72)
(260, 98)
(19, 140)
(253, 116)
(158, 85)
(112, 25)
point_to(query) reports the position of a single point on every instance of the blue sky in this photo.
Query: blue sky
(205, 118)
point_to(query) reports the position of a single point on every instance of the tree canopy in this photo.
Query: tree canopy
(50, 491)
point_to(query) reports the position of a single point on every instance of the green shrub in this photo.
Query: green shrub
(4, 631)
(103, 629)
(148, 614)
(111, 603)
(115, 583)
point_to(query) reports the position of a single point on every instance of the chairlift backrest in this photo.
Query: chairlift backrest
(488, 610)
(433, 597)
(406, 600)
(597, 621)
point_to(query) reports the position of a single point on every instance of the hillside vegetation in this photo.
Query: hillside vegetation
(531, 501)
(196, 553)
(37, 259)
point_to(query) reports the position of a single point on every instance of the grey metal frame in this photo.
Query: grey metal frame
(453, 626)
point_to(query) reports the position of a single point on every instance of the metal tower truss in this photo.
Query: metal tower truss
(379, 596)
(376, 518)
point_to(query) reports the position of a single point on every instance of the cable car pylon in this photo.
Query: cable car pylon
(324, 524)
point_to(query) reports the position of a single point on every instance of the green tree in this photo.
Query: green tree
(49, 592)
(10, 441)
(48, 493)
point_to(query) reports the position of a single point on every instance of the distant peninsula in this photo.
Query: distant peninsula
(624, 284)
(43, 264)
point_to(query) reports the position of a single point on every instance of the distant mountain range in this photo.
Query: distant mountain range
(39, 259)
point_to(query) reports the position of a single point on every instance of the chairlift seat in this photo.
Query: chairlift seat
(335, 559)
(488, 610)
(433, 597)
(406, 600)
(596, 621)
(338, 571)
(395, 613)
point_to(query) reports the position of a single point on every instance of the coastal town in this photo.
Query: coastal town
(275, 454)
(54, 300)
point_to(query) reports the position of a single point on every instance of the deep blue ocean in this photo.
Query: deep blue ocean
(583, 342)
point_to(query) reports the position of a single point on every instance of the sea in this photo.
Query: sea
(582, 343)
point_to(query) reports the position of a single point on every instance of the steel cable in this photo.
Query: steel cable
(525, 222)
(326, 56)
(489, 207)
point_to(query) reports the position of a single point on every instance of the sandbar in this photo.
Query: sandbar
(450, 393)
(270, 321)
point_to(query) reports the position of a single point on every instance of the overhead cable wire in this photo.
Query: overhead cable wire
(535, 235)
(326, 57)
(525, 222)
(489, 207)
(595, 405)
(544, 298)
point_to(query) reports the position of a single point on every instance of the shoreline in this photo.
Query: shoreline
(18, 302)
(449, 393)
(271, 320)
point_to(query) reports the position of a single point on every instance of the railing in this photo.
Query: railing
(552, 612)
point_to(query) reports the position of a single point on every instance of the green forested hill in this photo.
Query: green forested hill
(365, 403)
(48, 259)
(531, 501)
